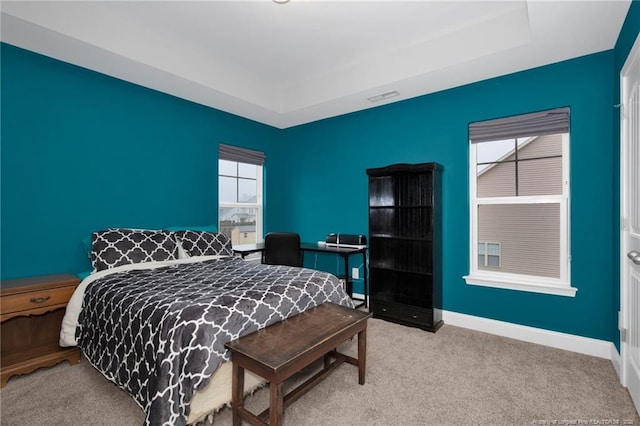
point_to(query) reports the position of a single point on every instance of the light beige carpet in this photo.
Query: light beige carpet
(453, 377)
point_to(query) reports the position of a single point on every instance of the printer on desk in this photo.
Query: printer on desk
(346, 240)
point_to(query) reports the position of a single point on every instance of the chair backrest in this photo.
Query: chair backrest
(282, 248)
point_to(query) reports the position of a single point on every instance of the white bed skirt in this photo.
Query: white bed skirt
(217, 393)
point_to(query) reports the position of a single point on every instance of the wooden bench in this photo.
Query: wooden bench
(281, 350)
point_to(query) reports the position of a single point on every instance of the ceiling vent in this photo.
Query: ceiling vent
(383, 96)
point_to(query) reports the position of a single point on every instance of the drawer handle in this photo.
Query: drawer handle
(415, 316)
(39, 299)
(384, 309)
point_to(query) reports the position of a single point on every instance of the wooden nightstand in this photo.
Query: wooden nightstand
(31, 311)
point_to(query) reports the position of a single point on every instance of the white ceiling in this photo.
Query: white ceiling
(288, 64)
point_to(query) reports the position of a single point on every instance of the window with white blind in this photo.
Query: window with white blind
(519, 198)
(240, 194)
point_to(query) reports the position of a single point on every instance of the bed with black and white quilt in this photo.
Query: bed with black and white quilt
(157, 329)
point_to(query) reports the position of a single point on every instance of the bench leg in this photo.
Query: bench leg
(276, 407)
(327, 360)
(362, 355)
(237, 393)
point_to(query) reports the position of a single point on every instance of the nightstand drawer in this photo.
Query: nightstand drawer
(35, 300)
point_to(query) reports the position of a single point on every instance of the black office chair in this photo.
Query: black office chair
(282, 248)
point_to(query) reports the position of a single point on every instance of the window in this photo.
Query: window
(488, 255)
(519, 198)
(240, 194)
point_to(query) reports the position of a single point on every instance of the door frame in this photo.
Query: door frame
(624, 314)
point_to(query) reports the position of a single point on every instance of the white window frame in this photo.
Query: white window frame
(257, 205)
(498, 279)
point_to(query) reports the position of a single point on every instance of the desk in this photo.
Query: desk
(343, 252)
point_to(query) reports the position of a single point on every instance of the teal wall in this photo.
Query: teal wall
(627, 36)
(82, 151)
(329, 192)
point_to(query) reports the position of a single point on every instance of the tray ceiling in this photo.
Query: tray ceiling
(289, 64)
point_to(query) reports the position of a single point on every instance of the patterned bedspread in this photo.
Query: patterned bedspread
(159, 333)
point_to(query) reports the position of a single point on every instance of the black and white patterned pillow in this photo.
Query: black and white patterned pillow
(117, 246)
(202, 243)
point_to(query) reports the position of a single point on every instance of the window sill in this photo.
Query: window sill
(522, 283)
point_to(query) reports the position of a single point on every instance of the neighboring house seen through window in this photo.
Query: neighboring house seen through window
(519, 198)
(240, 194)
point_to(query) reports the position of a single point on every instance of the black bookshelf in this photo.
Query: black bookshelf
(405, 221)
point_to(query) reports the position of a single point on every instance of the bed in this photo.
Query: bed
(154, 316)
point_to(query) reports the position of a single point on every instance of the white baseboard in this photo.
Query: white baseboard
(554, 339)
(616, 360)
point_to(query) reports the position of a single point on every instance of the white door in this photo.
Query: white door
(630, 236)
